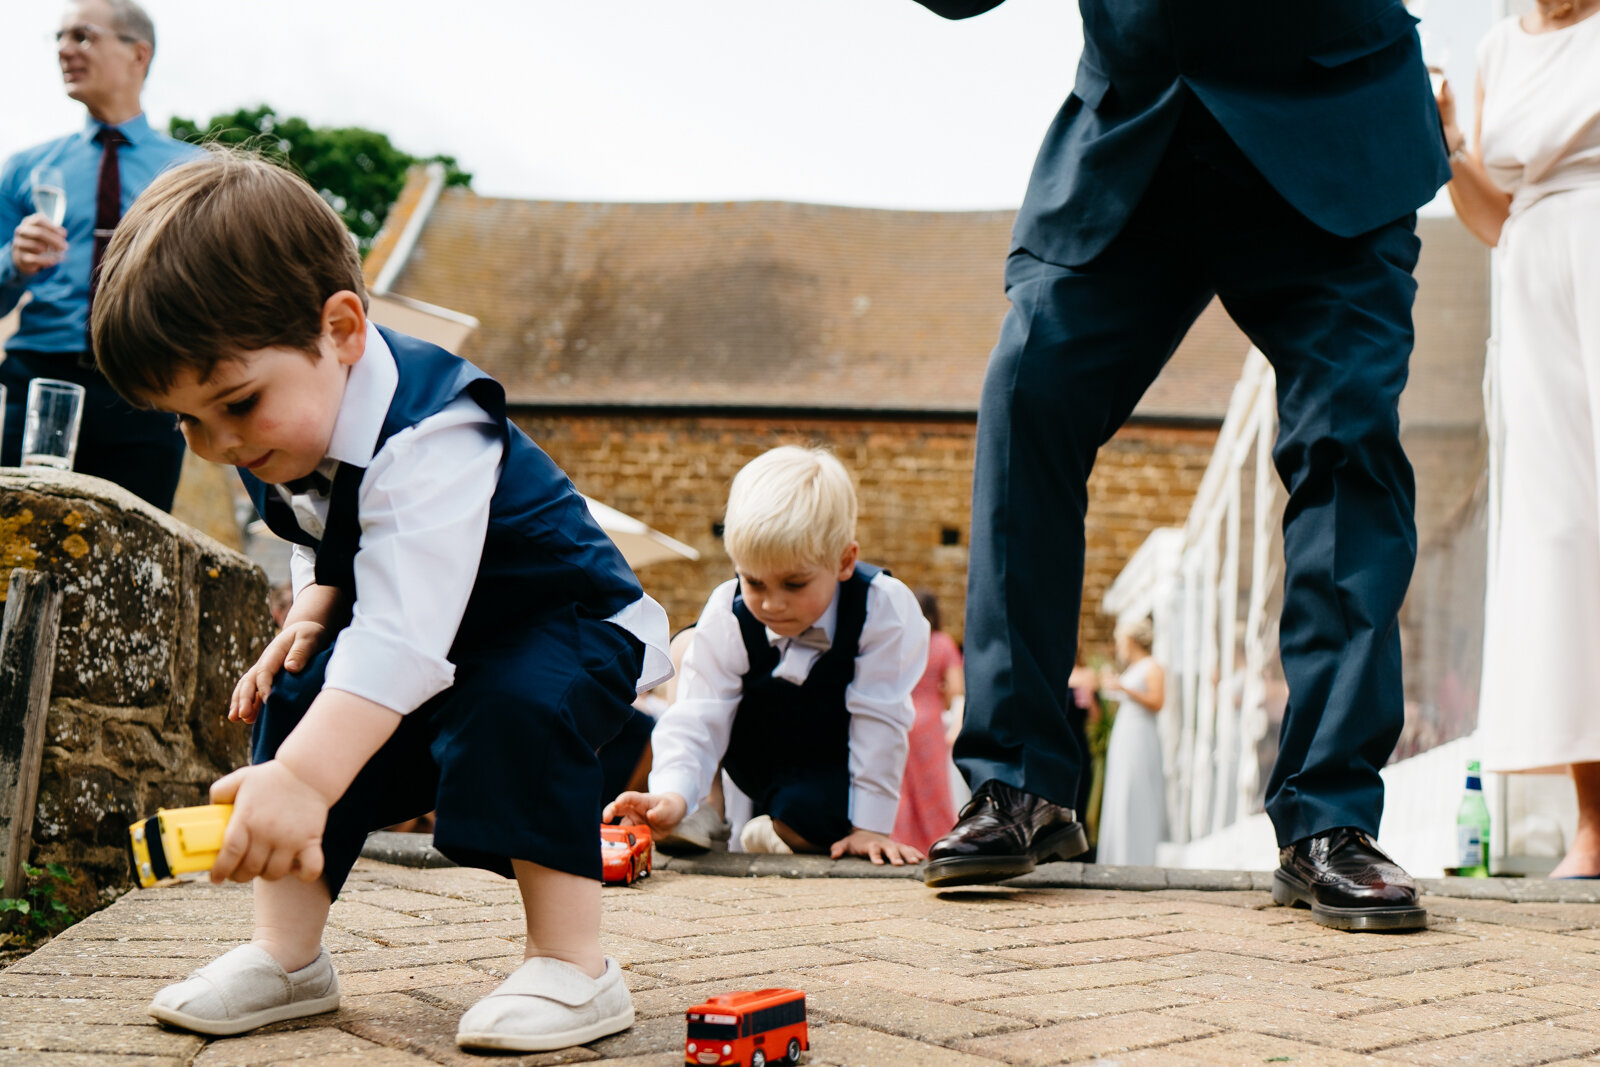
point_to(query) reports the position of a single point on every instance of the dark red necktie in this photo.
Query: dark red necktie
(107, 211)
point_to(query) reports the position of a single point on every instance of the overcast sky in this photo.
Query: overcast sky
(867, 102)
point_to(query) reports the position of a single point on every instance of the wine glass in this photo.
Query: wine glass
(49, 194)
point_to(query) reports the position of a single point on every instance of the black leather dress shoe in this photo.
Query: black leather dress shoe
(1003, 832)
(1348, 883)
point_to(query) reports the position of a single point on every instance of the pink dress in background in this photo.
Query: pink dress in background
(926, 810)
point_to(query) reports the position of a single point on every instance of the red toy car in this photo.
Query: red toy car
(624, 854)
(756, 1028)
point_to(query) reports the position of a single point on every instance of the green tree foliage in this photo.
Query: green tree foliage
(356, 170)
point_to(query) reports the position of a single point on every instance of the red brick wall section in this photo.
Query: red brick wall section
(914, 480)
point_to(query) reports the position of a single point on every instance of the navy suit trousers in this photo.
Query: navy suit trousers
(1078, 349)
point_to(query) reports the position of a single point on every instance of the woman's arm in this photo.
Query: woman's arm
(954, 683)
(1479, 203)
(1154, 693)
(955, 699)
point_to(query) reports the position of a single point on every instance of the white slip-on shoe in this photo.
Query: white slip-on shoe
(759, 836)
(246, 988)
(548, 1004)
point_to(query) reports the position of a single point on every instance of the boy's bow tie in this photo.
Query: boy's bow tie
(315, 481)
(812, 637)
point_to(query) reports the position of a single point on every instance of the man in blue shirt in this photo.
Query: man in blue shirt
(105, 47)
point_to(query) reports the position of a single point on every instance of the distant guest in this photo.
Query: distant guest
(1134, 807)
(105, 48)
(927, 809)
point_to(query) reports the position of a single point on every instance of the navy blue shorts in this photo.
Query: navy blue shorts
(814, 801)
(505, 757)
(620, 756)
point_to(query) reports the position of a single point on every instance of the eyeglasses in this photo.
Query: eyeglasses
(85, 35)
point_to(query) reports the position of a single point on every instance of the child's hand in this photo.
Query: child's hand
(276, 826)
(661, 811)
(876, 847)
(293, 648)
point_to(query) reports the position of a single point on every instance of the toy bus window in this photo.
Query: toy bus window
(786, 1014)
(713, 1027)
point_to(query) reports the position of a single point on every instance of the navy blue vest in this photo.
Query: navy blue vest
(543, 554)
(780, 724)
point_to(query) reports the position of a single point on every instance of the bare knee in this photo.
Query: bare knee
(793, 839)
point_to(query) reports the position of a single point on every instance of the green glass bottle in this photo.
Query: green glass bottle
(1472, 828)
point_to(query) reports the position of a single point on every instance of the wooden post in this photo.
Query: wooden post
(27, 661)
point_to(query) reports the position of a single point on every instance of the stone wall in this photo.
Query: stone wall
(915, 486)
(157, 623)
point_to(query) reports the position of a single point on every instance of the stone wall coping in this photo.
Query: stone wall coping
(416, 850)
(75, 486)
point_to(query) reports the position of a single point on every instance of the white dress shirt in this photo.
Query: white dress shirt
(690, 739)
(424, 511)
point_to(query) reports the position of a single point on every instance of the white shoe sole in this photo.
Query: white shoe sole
(547, 1042)
(229, 1027)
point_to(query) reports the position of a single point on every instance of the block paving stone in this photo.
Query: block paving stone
(1357, 1034)
(1330, 1002)
(1424, 986)
(1511, 1046)
(1462, 1015)
(894, 973)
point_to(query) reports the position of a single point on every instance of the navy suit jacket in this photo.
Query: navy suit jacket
(1328, 99)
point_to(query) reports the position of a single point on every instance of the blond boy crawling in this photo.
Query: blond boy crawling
(798, 680)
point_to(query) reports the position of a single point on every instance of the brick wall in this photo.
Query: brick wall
(914, 479)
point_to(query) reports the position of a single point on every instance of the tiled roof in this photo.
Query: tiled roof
(751, 303)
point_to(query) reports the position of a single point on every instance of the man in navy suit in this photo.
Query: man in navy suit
(1273, 154)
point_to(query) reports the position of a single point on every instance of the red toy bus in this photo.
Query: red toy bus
(756, 1028)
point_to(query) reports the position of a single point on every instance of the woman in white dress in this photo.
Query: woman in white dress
(1529, 184)
(1134, 805)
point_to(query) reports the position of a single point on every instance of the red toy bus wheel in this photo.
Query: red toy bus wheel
(758, 1059)
(794, 1050)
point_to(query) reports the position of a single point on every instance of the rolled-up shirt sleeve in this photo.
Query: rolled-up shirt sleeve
(13, 210)
(302, 568)
(424, 504)
(890, 659)
(690, 738)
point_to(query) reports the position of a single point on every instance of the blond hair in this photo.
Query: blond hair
(790, 505)
(221, 256)
(1141, 632)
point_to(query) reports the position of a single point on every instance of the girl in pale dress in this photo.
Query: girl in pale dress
(1133, 808)
(1529, 184)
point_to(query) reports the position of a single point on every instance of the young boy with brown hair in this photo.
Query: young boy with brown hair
(462, 638)
(798, 680)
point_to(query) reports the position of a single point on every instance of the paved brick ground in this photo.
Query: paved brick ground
(894, 973)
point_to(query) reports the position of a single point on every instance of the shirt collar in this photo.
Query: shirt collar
(828, 620)
(137, 129)
(368, 392)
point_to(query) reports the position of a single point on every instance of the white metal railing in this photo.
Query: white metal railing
(1211, 590)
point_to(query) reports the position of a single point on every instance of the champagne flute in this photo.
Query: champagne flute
(50, 195)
